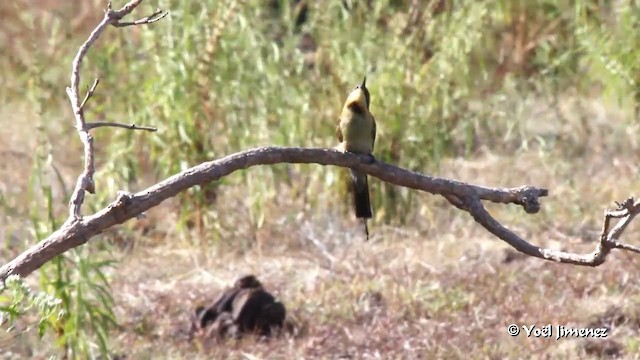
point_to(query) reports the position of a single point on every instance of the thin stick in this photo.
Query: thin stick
(90, 93)
(156, 16)
(97, 124)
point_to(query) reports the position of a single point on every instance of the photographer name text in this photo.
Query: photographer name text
(556, 331)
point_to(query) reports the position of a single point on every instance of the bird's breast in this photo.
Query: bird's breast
(357, 129)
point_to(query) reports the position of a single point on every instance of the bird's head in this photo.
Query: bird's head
(359, 96)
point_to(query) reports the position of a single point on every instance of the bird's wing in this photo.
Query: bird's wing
(339, 132)
(373, 133)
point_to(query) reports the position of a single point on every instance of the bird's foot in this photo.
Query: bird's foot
(370, 159)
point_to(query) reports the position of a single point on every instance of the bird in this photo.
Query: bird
(356, 132)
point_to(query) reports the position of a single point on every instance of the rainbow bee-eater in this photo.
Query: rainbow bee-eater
(356, 132)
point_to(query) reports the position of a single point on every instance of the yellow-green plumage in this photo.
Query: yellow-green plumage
(357, 133)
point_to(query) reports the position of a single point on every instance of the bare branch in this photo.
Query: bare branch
(85, 181)
(89, 93)
(627, 247)
(632, 209)
(482, 216)
(157, 15)
(605, 226)
(77, 231)
(608, 239)
(467, 197)
(97, 124)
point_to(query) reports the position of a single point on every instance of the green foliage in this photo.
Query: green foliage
(74, 301)
(17, 300)
(611, 49)
(83, 287)
(218, 81)
(77, 278)
(221, 76)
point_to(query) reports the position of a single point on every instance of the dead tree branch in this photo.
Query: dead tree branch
(608, 239)
(85, 181)
(77, 230)
(90, 93)
(156, 16)
(462, 195)
(97, 124)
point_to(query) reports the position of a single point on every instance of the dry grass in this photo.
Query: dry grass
(447, 289)
(438, 287)
(400, 296)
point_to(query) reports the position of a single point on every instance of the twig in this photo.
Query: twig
(159, 14)
(627, 247)
(89, 93)
(85, 181)
(608, 238)
(97, 124)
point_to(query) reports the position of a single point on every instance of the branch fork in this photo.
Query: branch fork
(85, 181)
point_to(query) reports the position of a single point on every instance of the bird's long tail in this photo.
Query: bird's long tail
(361, 195)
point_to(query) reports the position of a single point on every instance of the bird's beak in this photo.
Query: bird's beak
(364, 82)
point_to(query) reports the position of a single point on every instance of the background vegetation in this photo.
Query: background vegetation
(497, 92)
